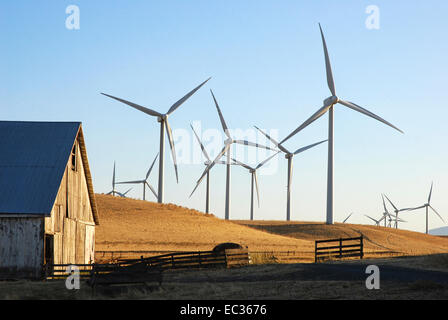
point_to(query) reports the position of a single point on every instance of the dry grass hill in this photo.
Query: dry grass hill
(134, 225)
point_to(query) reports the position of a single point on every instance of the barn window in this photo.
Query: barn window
(74, 164)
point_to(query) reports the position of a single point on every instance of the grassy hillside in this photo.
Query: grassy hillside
(135, 225)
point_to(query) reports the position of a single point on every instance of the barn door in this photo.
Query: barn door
(49, 249)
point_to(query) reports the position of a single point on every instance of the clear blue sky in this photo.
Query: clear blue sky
(268, 70)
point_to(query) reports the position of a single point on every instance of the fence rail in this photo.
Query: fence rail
(339, 251)
(180, 260)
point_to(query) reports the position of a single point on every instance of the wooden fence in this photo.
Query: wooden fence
(345, 248)
(179, 260)
(196, 259)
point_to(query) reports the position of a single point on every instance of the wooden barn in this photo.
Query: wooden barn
(47, 204)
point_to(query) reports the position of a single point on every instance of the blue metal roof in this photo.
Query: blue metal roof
(33, 157)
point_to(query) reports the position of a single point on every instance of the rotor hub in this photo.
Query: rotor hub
(331, 101)
(228, 141)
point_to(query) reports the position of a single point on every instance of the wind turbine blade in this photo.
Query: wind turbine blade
(200, 143)
(256, 188)
(319, 113)
(173, 150)
(125, 193)
(391, 203)
(186, 97)
(130, 182)
(136, 106)
(308, 147)
(278, 145)
(412, 209)
(360, 109)
(330, 80)
(437, 213)
(225, 162)
(221, 118)
(113, 178)
(110, 193)
(265, 161)
(197, 185)
(211, 165)
(345, 220)
(248, 143)
(150, 168)
(384, 204)
(242, 164)
(376, 221)
(152, 189)
(430, 193)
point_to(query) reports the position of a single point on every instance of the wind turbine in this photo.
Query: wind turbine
(386, 212)
(289, 155)
(254, 180)
(328, 105)
(123, 195)
(397, 211)
(377, 222)
(144, 182)
(113, 192)
(206, 163)
(428, 206)
(164, 125)
(227, 150)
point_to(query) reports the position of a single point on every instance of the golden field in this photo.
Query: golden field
(135, 225)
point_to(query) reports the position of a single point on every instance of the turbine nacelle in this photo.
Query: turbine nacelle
(161, 118)
(208, 162)
(331, 101)
(228, 141)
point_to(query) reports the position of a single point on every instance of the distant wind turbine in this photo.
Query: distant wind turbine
(377, 222)
(289, 156)
(123, 195)
(144, 182)
(397, 211)
(328, 105)
(113, 192)
(163, 119)
(428, 206)
(254, 180)
(227, 150)
(206, 163)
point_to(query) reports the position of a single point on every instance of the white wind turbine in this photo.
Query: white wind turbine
(377, 222)
(123, 195)
(328, 105)
(428, 206)
(289, 155)
(164, 125)
(397, 211)
(113, 192)
(254, 180)
(144, 182)
(206, 163)
(227, 150)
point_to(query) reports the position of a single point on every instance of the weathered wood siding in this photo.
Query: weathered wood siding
(71, 221)
(21, 247)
